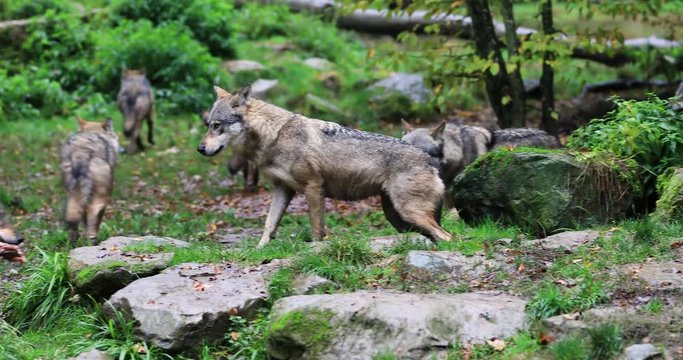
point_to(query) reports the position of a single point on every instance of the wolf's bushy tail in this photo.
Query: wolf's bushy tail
(79, 185)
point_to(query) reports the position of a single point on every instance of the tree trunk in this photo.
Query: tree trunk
(517, 93)
(549, 124)
(486, 43)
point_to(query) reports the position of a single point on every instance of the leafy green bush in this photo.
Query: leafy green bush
(180, 69)
(210, 21)
(647, 131)
(62, 44)
(22, 9)
(30, 94)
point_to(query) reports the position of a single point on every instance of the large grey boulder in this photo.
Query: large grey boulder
(670, 202)
(363, 324)
(546, 190)
(189, 304)
(101, 270)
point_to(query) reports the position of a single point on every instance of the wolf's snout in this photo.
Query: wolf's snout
(202, 149)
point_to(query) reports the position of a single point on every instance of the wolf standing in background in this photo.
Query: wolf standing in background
(324, 159)
(88, 161)
(136, 102)
(239, 164)
(455, 146)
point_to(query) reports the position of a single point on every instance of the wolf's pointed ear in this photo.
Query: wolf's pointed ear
(108, 125)
(245, 93)
(406, 127)
(220, 93)
(437, 132)
(81, 122)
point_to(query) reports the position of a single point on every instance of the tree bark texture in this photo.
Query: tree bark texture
(517, 93)
(548, 76)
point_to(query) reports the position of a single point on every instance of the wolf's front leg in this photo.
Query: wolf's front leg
(281, 198)
(316, 209)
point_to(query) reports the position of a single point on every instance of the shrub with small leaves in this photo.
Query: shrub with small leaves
(648, 131)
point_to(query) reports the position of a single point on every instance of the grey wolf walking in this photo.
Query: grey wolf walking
(239, 164)
(88, 160)
(455, 146)
(324, 159)
(136, 102)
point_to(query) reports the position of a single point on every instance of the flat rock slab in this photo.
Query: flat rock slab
(420, 264)
(103, 269)
(180, 308)
(562, 325)
(568, 240)
(362, 324)
(660, 276)
(305, 284)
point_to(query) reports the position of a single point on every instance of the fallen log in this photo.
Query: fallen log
(378, 21)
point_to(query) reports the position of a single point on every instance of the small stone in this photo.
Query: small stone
(459, 267)
(261, 87)
(411, 86)
(93, 354)
(235, 66)
(642, 352)
(305, 284)
(318, 63)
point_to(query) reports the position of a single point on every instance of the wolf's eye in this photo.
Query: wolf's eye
(215, 126)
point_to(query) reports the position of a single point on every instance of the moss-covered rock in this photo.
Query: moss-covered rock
(101, 270)
(545, 190)
(299, 333)
(670, 188)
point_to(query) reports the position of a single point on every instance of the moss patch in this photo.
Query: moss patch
(302, 332)
(670, 202)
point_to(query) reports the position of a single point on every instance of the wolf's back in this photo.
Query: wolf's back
(79, 153)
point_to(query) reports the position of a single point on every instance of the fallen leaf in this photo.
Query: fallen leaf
(466, 353)
(200, 286)
(217, 269)
(545, 339)
(497, 344)
(234, 335)
(212, 228)
(139, 348)
(521, 268)
(234, 311)
(676, 245)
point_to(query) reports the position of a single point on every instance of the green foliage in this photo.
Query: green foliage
(116, 336)
(31, 94)
(44, 293)
(181, 70)
(247, 340)
(210, 21)
(348, 250)
(551, 300)
(22, 9)
(280, 284)
(606, 341)
(570, 348)
(647, 131)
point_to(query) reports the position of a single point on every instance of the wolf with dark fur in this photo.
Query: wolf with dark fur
(88, 160)
(455, 146)
(136, 102)
(324, 159)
